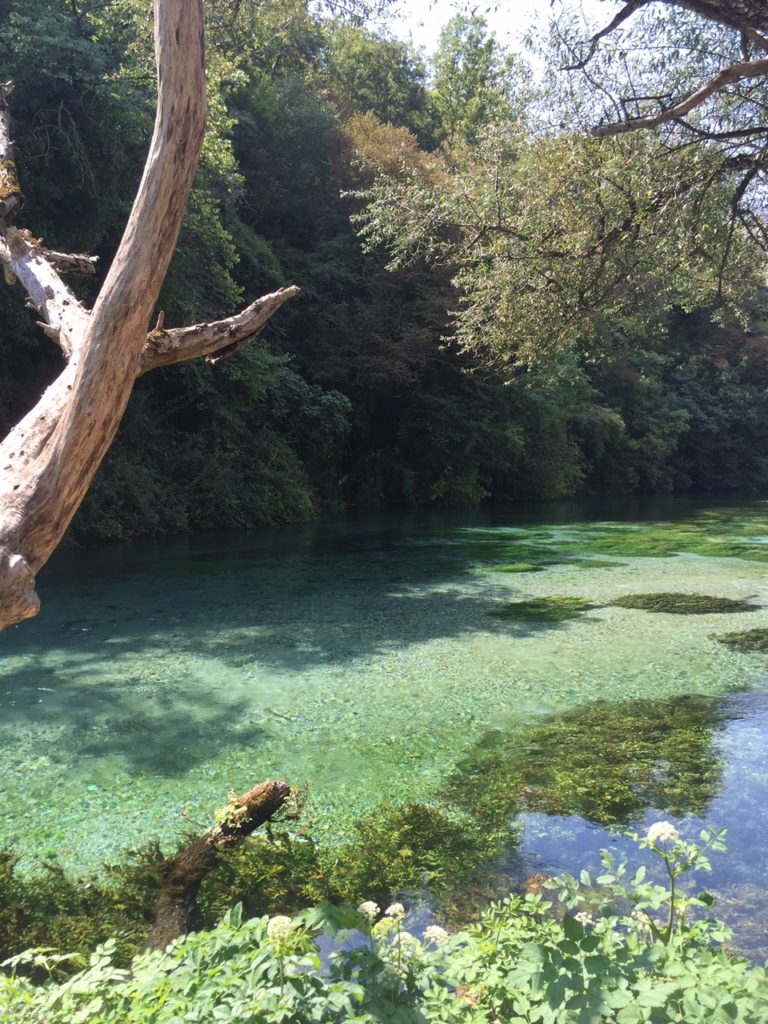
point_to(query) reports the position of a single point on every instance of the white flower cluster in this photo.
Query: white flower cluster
(395, 910)
(584, 918)
(406, 942)
(434, 933)
(369, 910)
(662, 832)
(279, 928)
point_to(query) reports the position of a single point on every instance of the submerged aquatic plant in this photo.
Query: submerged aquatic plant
(683, 604)
(555, 608)
(515, 567)
(746, 640)
(594, 563)
(605, 762)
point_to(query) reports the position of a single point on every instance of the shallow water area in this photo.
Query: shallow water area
(726, 788)
(364, 658)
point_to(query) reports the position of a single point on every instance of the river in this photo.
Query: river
(390, 660)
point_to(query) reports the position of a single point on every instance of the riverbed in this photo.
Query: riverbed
(376, 660)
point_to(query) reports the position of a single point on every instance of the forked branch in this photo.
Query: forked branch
(729, 75)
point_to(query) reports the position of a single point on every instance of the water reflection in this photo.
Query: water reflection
(578, 782)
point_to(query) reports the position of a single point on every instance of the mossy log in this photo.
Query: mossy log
(182, 875)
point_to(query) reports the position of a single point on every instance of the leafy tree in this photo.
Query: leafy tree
(697, 70)
(473, 79)
(365, 72)
(550, 236)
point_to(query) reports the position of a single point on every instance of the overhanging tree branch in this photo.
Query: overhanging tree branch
(621, 17)
(733, 73)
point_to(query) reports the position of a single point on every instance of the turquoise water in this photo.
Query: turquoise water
(364, 658)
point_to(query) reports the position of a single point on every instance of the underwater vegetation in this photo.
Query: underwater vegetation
(683, 604)
(720, 533)
(516, 567)
(555, 608)
(594, 563)
(746, 640)
(410, 848)
(607, 763)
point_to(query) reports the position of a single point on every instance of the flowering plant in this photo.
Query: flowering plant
(603, 959)
(660, 910)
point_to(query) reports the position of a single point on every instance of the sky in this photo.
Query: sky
(511, 20)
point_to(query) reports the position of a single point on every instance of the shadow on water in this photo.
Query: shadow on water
(217, 612)
(160, 733)
(207, 618)
(331, 592)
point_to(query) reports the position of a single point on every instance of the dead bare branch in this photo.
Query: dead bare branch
(733, 73)
(214, 341)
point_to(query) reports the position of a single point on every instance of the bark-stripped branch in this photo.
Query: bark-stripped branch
(48, 460)
(215, 341)
(11, 199)
(734, 73)
(71, 262)
(63, 318)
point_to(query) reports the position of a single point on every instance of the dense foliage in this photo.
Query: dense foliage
(626, 949)
(612, 375)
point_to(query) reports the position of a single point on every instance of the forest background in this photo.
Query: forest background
(408, 372)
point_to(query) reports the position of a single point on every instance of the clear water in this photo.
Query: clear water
(362, 657)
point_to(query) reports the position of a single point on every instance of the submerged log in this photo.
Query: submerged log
(182, 875)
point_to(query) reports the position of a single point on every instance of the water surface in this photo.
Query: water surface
(364, 658)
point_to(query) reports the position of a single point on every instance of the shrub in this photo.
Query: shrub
(632, 953)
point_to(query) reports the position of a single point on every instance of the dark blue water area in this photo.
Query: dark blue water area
(551, 845)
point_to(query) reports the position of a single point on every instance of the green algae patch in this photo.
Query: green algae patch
(608, 763)
(683, 604)
(702, 536)
(595, 563)
(746, 640)
(555, 608)
(515, 567)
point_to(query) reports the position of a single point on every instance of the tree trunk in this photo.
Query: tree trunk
(48, 460)
(182, 875)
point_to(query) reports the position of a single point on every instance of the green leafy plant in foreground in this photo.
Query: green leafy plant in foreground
(623, 950)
